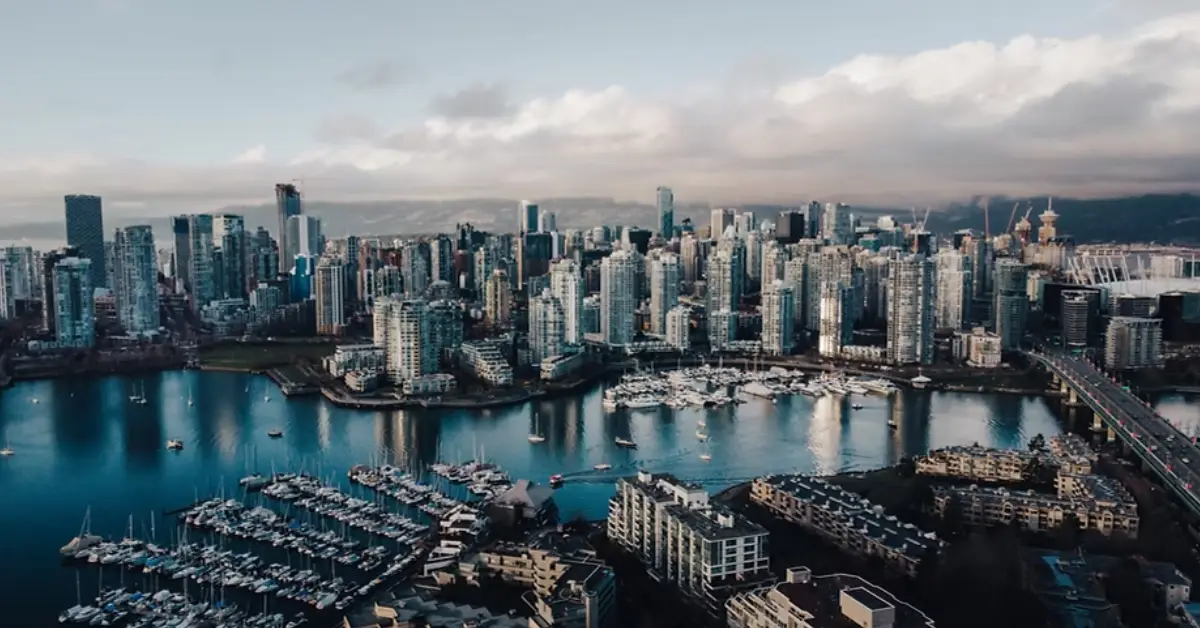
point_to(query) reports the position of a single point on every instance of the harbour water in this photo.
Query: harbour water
(83, 443)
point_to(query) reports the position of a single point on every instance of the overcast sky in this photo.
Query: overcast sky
(169, 105)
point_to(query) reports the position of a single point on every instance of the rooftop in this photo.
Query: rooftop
(820, 598)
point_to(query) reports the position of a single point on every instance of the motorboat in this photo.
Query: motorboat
(603, 466)
(175, 444)
(856, 406)
(8, 450)
(275, 433)
(625, 442)
(706, 456)
(556, 480)
(892, 424)
(701, 435)
(536, 438)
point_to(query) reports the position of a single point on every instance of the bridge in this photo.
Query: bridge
(1166, 451)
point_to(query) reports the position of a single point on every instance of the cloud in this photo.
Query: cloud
(252, 155)
(1090, 116)
(378, 75)
(481, 100)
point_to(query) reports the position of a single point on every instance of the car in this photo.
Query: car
(1185, 460)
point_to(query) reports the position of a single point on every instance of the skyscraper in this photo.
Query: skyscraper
(664, 290)
(330, 287)
(527, 217)
(183, 254)
(837, 226)
(498, 299)
(85, 231)
(835, 302)
(720, 220)
(789, 228)
(547, 221)
(229, 234)
(135, 279)
(545, 327)
(566, 284)
(304, 237)
(954, 291)
(617, 297)
(911, 293)
(200, 260)
(778, 318)
(287, 204)
(1011, 304)
(410, 354)
(666, 212)
(74, 303)
(724, 275)
(414, 267)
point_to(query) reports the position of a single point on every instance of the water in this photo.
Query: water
(85, 444)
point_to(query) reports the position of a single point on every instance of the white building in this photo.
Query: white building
(778, 318)
(910, 310)
(410, 354)
(707, 551)
(546, 327)
(953, 309)
(679, 327)
(566, 284)
(726, 274)
(664, 290)
(618, 299)
(1133, 343)
(836, 326)
(484, 361)
(978, 348)
(135, 279)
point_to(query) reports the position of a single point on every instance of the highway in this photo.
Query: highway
(1166, 450)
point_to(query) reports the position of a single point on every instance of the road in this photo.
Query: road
(1166, 450)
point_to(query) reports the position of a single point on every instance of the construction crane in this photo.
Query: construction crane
(1013, 217)
(301, 180)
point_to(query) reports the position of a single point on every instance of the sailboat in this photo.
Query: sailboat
(702, 435)
(537, 437)
(8, 450)
(138, 396)
(191, 402)
(704, 455)
(85, 539)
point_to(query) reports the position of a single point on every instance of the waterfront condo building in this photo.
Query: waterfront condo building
(1098, 503)
(845, 519)
(704, 549)
(135, 279)
(74, 305)
(85, 231)
(807, 601)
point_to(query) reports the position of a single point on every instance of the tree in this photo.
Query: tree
(952, 516)
(1068, 531)
(1129, 590)
(1037, 444)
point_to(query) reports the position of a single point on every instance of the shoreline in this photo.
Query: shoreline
(518, 396)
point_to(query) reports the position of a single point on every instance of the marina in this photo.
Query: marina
(709, 387)
(86, 444)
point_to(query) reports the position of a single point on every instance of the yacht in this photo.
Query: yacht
(536, 438)
(603, 466)
(643, 402)
(8, 450)
(705, 456)
(625, 442)
(275, 433)
(700, 434)
(174, 444)
(35, 400)
(556, 480)
(267, 398)
(856, 406)
(138, 396)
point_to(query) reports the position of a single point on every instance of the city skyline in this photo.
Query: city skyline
(1076, 99)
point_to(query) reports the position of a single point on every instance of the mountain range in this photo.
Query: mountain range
(1163, 218)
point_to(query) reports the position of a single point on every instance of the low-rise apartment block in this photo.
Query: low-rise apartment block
(834, 601)
(483, 360)
(568, 587)
(707, 551)
(1068, 453)
(845, 519)
(1098, 503)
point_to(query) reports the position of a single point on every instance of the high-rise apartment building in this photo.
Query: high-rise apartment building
(287, 205)
(1011, 303)
(547, 221)
(789, 227)
(182, 258)
(774, 259)
(1133, 343)
(679, 327)
(135, 279)
(778, 318)
(665, 201)
(836, 326)
(74, 302)
(546, 327)
(665, 274)
(414, 268)
(410, 354)
(566, 284)
(200, 280)
(85, 231)
(720, 220)
(1079, 318)
(229, 236)
(837, 225)
(329, 287)
(725, 275)
(304, 237)
(441, 260)
(911, 293)
(618, 298)
(953, 291)
(498, 300)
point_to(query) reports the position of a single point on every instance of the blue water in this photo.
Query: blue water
(85, 444)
